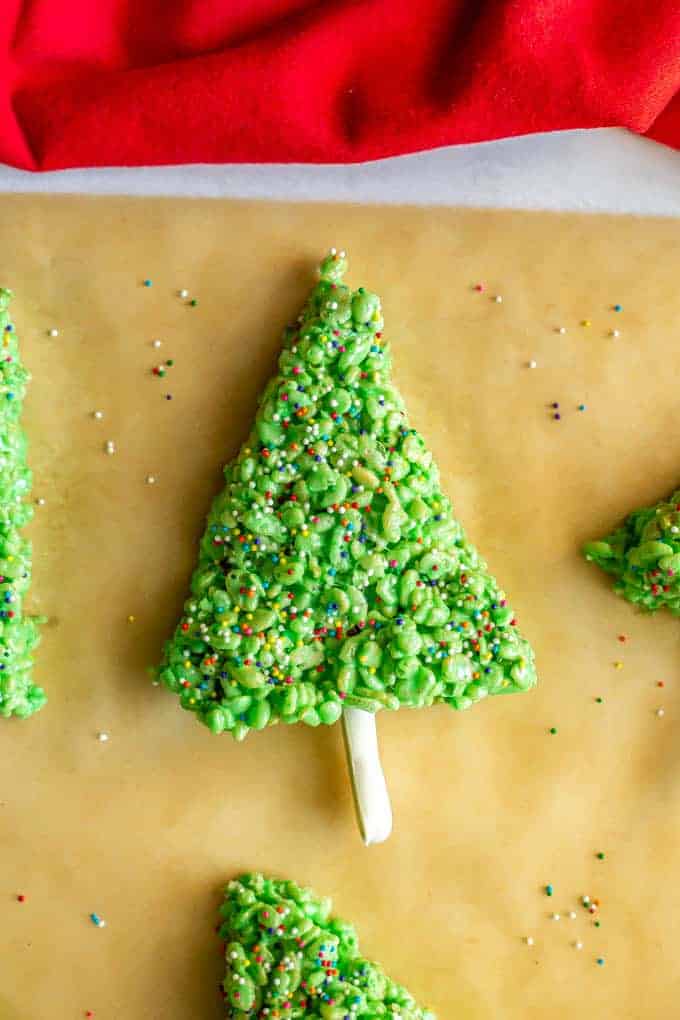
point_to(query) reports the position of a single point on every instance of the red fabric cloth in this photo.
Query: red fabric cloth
(128, 82)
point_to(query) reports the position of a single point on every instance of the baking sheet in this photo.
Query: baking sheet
(489, 806)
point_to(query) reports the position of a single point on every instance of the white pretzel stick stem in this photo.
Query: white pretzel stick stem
(371, 799)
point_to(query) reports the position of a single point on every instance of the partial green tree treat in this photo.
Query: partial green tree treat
(287, 957)
(643, 556)
(19, 635)
(333, 572)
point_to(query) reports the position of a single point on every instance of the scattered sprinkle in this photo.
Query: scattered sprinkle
(600, 856)
(618, 665)
(150, 479)
(498, 299)
(156, 343)
(168, 396)
(572, 915)
(600, 961)
(622, 638)
(581, 407)
(131, 619)
(53, 332)
(21, 898)
(557, 416)
(615, 332)
(618, 308)
(586, 322)
(660, 712)
(110, 446)
(660, 683)
(553, 730)
(102, 737)
(184, 293)
(531, 364)
(549, 890)
(40, 501)
(148, 283)
(193, 302)
(479, 287)
(585, 900)
(555, 917)
(98, 921)
(561, 330)
(529, 940)
(98, 415)
(578, 944)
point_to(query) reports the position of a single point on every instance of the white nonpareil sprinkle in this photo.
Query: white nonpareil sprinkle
(40, 501)
(156, 343)
(531, 364)
(184, 293)
(53, 332)
(98, 415)
(529, 940)
(555, 917)
(572, 915)
(578, 945)
(499, 299)
(615, 332)
(102, 737)
(150, 479)
(562, 330)
(110, 446)
(660, 712)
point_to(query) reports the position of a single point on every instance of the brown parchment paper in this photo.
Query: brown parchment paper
(489, 807)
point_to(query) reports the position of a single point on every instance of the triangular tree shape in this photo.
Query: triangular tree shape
(643, 555)
(288, 958)
(19, 635)
(333, 572)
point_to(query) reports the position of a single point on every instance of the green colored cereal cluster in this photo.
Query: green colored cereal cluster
(332, 571)
(18, 633)
(287, 957)
(643, 555)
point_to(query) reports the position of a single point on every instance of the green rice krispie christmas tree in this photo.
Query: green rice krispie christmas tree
(643, 556)
(288, 958)
(333, 577)
(19, 696)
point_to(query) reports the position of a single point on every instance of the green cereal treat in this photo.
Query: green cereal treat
(643, 556)
(18, 633)
(333, 572)
(287, 957)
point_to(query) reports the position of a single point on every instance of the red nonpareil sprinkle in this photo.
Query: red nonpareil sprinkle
(622, 637)
(21, 898)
